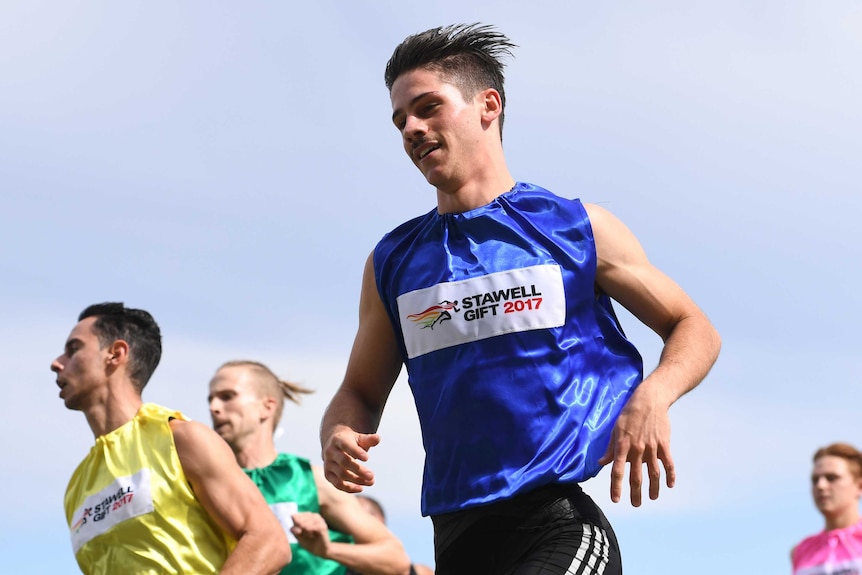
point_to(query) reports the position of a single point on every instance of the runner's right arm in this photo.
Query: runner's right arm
(349, 426)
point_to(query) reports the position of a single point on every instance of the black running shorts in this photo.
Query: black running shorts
(554, 530)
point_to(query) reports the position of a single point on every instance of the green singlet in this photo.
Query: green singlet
(288, 486)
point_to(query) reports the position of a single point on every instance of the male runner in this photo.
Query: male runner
(836, 486)
(328, 529)
(499, 304)
(157, 493)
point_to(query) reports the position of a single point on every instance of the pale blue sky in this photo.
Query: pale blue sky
(229, 169)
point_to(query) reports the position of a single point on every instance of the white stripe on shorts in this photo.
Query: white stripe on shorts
(593, 537)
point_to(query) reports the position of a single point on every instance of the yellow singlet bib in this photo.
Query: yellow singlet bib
(131, 510)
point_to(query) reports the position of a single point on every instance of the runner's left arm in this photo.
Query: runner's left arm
(232, 500)
(691, 345)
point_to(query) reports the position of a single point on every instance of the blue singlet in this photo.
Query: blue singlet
(518, 367)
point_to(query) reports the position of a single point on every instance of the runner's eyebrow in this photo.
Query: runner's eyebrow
(413, 101)
(71, 342)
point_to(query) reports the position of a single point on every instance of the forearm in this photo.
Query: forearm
(689, 352)
(379, 558)
(257, 554)
(347, 408)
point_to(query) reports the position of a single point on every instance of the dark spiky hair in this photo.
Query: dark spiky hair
(470, 56)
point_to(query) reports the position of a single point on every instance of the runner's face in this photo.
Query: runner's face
(81, 369)
(235, 407)
(440, 131)
(833, 485)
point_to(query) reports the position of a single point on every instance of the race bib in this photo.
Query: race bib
(454, 313)
(127, 497)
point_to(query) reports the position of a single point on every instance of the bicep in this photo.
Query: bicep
(624, 273)
(375, 360)
(223, 489)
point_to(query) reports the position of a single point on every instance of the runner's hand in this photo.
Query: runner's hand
(342, 454)
(311, 533)
(640, 436)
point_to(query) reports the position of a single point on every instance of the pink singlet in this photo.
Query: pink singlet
(835, 552)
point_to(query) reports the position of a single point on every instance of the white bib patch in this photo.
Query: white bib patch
(284, 512)
(452, 313)
(125, 498)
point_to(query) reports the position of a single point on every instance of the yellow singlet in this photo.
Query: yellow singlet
(131, 510)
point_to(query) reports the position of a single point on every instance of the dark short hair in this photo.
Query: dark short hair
(134, 326)
(468, 55)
